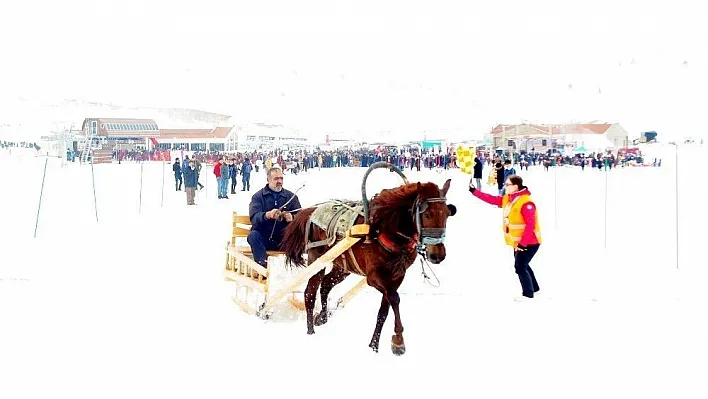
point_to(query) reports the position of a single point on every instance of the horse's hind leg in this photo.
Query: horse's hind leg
(310, 296)
(336, 276)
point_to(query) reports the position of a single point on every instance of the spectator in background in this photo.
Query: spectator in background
(233, 173)
(477, 172)
(198, 169)
(246, 169)
(499, 170)
(177, 169)
(218, 172)
(190, 182)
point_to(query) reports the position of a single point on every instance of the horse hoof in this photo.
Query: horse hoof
(398, 347)
(374, 347)
(321, 319)
(398, 350)
(310, 332)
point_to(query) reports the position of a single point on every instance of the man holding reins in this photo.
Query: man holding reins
(270, 212)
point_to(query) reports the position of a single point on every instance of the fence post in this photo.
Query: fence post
(605, 234)
(676, 165)
(140, 199)
(93, 183)
(41, 192)
(162, 193)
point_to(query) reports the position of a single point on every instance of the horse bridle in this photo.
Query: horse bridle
(426, 235)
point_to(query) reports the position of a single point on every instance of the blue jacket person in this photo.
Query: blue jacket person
(267, 219)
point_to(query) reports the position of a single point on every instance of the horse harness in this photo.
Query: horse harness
(424, 235)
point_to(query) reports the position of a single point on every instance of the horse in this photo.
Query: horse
(404, 222)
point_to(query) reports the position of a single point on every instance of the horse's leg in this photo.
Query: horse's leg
(336, 276)
(398, 347)
(380, 320)
(310, 296)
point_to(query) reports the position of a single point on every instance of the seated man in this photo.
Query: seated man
(268, 220)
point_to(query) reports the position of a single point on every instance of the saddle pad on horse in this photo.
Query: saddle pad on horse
(336, 218)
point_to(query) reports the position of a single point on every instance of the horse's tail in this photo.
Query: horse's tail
(294, 240)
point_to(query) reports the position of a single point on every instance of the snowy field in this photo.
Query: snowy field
(136, 305)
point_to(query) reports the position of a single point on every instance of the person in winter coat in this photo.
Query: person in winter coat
(217, 174)
(267, 219)
(224, 182)
(246, 169)
(521, 229)
(221, 171)
(477, 172)
(508, 171)
(233, 174)
(198, 169)
(177, 169)
(499, 173)
(190, 182)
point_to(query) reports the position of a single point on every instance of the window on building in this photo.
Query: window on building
(164, 146)
(216, 146)
(197, 147)
(544, 142)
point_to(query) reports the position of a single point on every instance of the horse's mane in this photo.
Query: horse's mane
(390, 208)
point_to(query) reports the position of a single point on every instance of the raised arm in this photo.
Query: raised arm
(495, 200)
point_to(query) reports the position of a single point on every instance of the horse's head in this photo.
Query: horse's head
(430, 212)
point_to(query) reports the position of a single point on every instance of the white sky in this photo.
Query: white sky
(403, 66)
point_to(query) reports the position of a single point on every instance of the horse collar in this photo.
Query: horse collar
(390, 246)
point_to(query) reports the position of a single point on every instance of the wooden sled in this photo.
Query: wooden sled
(253, 279)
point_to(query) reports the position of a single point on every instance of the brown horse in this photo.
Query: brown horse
(404, 221)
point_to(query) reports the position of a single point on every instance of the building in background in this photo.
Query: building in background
(128, 133)
(221, 139)
(540, 138)
(101, 136)
(263, 137)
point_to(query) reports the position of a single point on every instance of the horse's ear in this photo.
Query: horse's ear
(419, 188)
(446, 187)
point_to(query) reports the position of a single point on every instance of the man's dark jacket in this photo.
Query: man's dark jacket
(263, 201)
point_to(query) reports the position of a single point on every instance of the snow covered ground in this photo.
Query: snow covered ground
(136, 306)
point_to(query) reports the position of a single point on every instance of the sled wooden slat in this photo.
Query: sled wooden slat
(351, 293)
(255, 279)
(310, 271)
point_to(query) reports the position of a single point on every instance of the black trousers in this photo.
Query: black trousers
(260, 243)
(529, 285)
